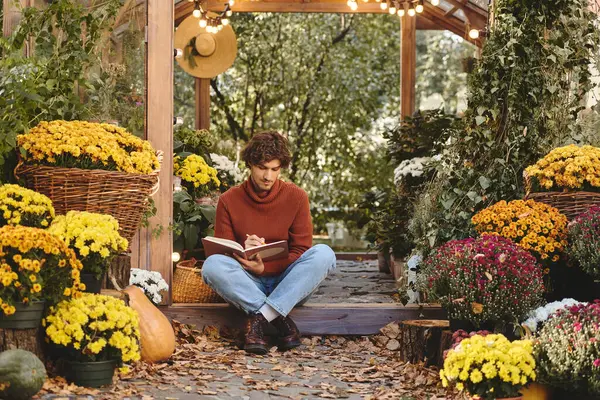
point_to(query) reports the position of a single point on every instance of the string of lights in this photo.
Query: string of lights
(212, 24)
(400, 7)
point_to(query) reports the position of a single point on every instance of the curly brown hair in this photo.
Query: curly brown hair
(265, 147)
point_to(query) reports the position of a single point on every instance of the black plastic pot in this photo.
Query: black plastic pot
(26, 316)
(92, 285)
(89, 374)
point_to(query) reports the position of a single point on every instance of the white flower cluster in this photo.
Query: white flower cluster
(541, 314)
(222, 163)
(414, 166)
(151, 282)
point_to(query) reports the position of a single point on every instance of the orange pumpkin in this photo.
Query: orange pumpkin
(157, 336)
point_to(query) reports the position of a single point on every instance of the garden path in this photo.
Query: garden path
(356, 282)
(209, 365)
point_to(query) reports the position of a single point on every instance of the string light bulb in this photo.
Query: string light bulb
(401, 12)
(419, 9)
(474, 34)
(392, 10)
(435, 2)
(216, 23)
(231, 3)
(411, 12)
(383, 5)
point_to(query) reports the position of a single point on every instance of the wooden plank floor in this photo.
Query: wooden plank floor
(356, 299)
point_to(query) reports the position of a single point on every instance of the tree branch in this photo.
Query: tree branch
(307, 102)
(236, 129)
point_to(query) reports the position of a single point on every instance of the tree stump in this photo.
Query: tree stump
(420, 340)
(445, 345)
(24, 339)
(117, 276)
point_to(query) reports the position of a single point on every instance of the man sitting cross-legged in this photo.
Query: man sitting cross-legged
(265, 209)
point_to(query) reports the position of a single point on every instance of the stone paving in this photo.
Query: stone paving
(356, 282)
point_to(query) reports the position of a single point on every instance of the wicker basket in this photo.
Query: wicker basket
(571, 204)
(189, 287)
(120, 194)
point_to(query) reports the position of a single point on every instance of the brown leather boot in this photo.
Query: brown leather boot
(254, 340)
(289, 335)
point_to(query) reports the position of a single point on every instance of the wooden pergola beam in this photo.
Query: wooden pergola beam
(432, 16)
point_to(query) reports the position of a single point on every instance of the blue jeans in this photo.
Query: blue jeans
(282, 292)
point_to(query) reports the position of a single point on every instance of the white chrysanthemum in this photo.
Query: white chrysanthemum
(222, 163)
(414, 167)
(151, 282)
(541, 314)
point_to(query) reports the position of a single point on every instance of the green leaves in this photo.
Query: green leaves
(533, 72)
(44, 85)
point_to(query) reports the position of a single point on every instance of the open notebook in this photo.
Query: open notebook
(268, 252)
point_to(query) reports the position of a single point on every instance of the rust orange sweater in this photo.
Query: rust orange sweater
(282, 213)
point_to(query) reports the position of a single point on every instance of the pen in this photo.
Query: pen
(262, 241)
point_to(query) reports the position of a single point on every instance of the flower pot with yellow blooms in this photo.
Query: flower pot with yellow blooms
(92, 335)
(94, 167)
(490, 367)
(37, 268)
(22, 206)
(94, 238)
(566, 178)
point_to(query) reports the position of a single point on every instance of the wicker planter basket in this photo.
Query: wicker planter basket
(189, 287)
(120, 194)
(571, 204)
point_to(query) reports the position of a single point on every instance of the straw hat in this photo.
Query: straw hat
(217, 50)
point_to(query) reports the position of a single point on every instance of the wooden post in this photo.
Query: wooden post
(408, 56)
(159, 125)
(12, 15)
(202, 103)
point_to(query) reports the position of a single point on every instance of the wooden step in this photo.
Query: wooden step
(355, 256)
(312, 319)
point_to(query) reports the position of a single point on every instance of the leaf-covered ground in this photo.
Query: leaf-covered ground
(208, 366)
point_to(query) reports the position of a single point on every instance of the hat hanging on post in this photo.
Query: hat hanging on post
(207, 52)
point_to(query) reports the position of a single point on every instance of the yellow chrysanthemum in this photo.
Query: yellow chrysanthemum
(82, 144)
(94, 237)
(570, 167)
(21, 206)
(196, 174)
(535, 226)
(92, 323)
(30, 268)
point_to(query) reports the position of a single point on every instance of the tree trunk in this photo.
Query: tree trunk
(118, 273)
(445, 344)
(420, 340)
(24, 339)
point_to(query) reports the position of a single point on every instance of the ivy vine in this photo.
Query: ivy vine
(525, 95)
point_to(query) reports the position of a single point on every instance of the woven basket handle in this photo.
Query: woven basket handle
(160, 156)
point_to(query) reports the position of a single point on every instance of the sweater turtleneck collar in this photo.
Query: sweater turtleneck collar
(265, 197)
